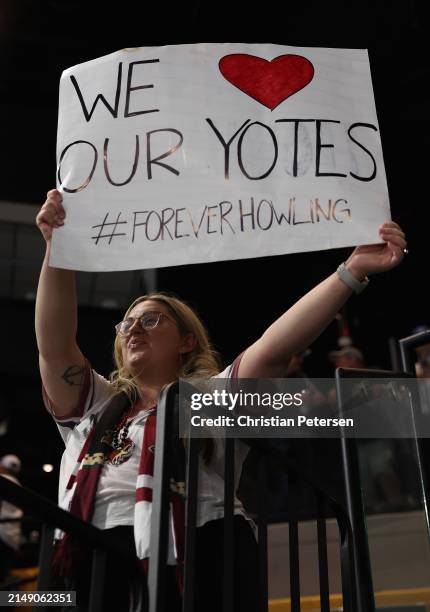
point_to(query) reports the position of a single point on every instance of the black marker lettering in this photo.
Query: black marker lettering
(239, 152)
(112, 109)
(129, 89)
(372, 127)
(296, 138)
(90, 176)
(320, 146)
(226, 145)
(133, 170)
(150, 161)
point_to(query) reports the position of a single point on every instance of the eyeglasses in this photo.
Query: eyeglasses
(149, 320)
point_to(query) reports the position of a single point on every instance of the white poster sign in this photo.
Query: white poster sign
(197, 153)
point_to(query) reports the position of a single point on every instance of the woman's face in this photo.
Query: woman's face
(157, 351)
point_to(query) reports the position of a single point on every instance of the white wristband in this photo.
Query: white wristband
(350, 280)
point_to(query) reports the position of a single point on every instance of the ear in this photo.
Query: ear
(188, 343)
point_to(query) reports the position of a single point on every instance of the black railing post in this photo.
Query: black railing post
(191, 524)
(293, 531)
(44, 581)
(322, 555)
(349, 593)
(98, 574)
(262, 535)
(228, 564)
(160, 500)
(362, 573)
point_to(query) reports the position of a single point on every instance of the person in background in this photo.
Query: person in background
(10, 532)
(422, 365)
(347, 357)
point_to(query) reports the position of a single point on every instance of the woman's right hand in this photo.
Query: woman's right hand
(51, 215)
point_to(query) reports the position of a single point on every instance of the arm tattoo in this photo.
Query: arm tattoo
(73, 375)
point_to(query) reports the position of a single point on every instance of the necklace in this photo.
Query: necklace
(120, 433)
(122, 445)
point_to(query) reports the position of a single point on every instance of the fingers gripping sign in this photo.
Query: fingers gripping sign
(51, 214)
(375, 258)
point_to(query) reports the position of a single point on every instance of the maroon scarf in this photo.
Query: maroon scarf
(71, 552)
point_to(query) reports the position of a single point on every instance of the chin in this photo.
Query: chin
(136, 364)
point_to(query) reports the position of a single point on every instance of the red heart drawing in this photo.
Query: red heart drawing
(268, 82)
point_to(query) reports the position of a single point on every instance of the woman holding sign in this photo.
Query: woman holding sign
(109, 426)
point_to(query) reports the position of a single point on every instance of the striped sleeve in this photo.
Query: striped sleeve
(234, 370)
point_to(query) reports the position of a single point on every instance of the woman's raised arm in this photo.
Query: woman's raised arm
(299, 326)
(62, 365)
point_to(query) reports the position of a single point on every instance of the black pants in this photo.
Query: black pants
(208, 576)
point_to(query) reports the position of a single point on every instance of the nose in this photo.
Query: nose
(136, 323)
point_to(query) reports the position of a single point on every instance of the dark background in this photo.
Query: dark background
(238, 299)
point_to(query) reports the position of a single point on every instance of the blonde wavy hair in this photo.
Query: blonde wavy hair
(202, 361)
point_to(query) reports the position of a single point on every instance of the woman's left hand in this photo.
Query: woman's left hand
(374, 258)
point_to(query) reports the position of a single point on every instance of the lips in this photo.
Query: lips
(134, 343)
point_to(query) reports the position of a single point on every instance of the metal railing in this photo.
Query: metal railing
(53, 517)
(355, 567)
(344, 503)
